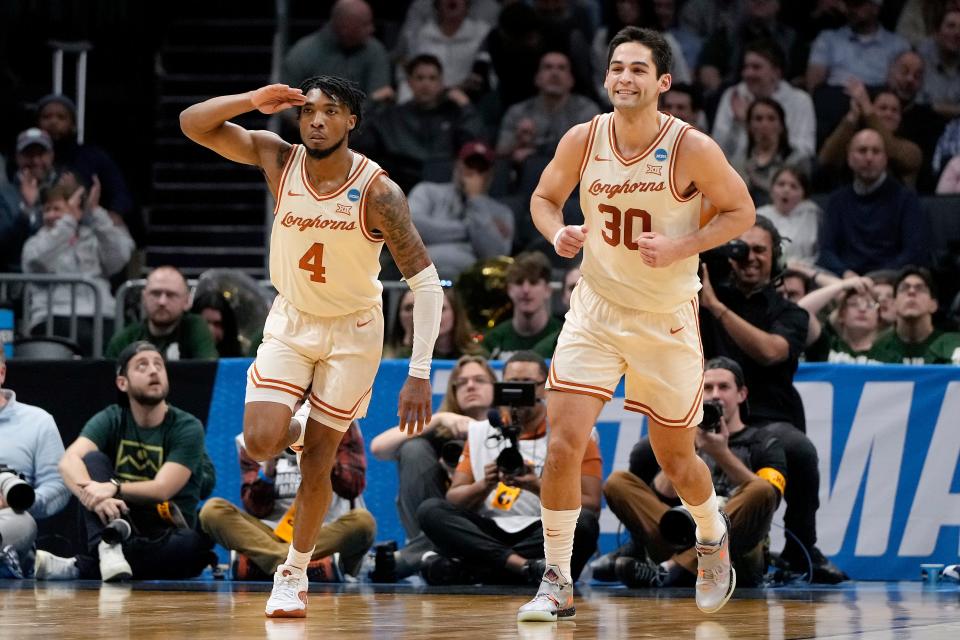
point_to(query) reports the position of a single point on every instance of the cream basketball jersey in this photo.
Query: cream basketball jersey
(622, 198)
(323, 258)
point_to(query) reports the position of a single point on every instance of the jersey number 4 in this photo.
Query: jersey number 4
(619, 225)
(312, 261)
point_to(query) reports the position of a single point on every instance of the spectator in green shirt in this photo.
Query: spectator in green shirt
(914, 339)
(528, 286)
(139, 469)
(176, 333)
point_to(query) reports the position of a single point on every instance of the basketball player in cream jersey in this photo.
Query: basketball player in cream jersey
(643, 176)
(335, 210)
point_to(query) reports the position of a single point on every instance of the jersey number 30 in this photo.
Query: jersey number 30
(619, 225)
(312, 261)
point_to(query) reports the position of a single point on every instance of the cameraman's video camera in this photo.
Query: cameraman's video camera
(712, 414)
(515, 396)
(718, 259)
(16, 491)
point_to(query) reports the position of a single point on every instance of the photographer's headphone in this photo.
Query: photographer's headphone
(778, 264)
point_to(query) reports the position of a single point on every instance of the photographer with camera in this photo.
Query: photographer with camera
(488, 529)
(748, 321)
(139, 468)
(748, 466)
(426, 463)
(30, 485)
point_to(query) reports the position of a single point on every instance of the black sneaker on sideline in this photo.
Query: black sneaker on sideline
(824, 571)
(533, 570)
(604, 568)
(637, 574)
(437, 570)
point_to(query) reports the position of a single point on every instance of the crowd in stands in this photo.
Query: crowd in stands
(843, 118)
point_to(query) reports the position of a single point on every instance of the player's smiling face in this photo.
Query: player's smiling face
(324, 121)
(632, 77)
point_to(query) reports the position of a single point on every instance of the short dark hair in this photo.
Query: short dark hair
(653, 40)
(529, 265)
(340, 89)
(528, 356)
(423, 58)
(728, 364)
(56, 191)
(131, 350)
(768, 50)
(800, 275)
(920, 272)
(696, 96)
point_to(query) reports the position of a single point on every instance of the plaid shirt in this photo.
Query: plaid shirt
(349, 475)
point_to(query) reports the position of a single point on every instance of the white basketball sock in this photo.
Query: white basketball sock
(299, 559)
(710, 525)
(558, 528)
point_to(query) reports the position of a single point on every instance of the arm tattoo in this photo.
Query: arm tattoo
(392, 217)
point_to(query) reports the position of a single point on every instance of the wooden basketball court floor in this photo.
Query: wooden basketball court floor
(207, 609)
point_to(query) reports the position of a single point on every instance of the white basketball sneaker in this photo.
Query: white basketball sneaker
(289, 596)
(113, 564)
(50, 567)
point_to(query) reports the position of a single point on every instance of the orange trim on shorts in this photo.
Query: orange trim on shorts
(637, 158)
(343, 414)
(372, 236)
(587, 148)
(350, 180)
(270, 386)
(673, 164)
(639, 407)
(260, 378)
(283, 177)
(576, 387)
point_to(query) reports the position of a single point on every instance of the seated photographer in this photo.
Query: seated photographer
(30, 485)
(744, 318)
(261, 535)
(425, 463)
(139, 468)
(749, 473)
(488, 528)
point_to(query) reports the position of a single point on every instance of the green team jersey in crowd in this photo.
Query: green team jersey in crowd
(830, 347)
(503, 340)
(190, 339)
(138, 453)
(941, 347)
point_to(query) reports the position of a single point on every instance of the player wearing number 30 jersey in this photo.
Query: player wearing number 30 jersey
(323, 338)
(643, 176)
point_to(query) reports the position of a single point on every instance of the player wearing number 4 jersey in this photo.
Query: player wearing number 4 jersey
(335, 210)
(643, 179)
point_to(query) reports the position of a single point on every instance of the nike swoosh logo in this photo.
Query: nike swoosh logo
(291, 193)
(675, 331)
(599, 159)
(363, 324)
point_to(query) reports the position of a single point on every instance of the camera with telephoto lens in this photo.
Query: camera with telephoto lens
(718, 259)
(712, 414)
(515, 396)
(16, 491)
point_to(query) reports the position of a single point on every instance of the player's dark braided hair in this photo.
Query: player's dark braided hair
(341, 90)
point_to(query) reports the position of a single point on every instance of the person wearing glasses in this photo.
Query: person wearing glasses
(846, 330)
(914, 339)
(488, 528)
(423, 470)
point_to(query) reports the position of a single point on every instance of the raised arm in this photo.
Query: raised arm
(206, 123)
(387, 211)
(556, 183)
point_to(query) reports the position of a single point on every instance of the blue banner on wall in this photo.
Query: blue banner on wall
(888, 439)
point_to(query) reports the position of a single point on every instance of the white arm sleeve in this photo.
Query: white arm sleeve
(427, 305)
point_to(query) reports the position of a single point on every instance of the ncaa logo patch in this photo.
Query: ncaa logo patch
(660, 155)
(354, 194)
